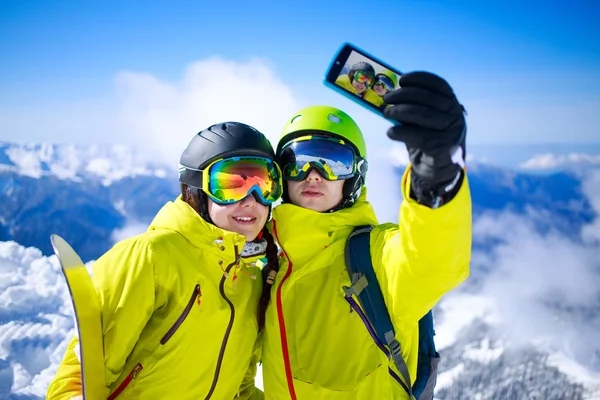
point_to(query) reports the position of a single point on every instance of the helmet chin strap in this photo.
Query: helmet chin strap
(350, 192)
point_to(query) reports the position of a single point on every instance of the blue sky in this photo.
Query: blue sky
(527, 71)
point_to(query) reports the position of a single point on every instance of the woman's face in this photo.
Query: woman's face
(362, 80)
(246, 217)
(360, 87)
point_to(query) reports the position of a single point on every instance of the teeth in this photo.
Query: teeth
(244, 218)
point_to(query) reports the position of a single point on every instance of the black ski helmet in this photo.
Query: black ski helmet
(364, 66)
(226, 139)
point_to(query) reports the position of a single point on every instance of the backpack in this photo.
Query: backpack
(377, 320)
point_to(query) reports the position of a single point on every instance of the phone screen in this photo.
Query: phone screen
(361, 77)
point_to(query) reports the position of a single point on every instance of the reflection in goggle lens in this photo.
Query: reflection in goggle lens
(386, 82)
(364, 77)
(334, 160)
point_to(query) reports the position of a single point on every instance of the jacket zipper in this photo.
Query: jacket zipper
(229, 325)
(196, 294)
(132, 375)
(282, 333)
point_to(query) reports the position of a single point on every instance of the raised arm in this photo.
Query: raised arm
(429, 253)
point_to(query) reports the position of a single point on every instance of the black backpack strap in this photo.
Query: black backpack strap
(377, 319)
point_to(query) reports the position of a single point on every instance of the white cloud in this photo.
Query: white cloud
(161, 117)
(76, 162)
(37, 316)
(26, 161)
(542, 284)
(131, 228)
(551, 161)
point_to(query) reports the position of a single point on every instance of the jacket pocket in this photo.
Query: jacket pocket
(195, 295)
(131, 376)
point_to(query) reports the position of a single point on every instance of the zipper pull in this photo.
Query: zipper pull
(225, 274)
(136, 371)
(234, 280)
(199, 296)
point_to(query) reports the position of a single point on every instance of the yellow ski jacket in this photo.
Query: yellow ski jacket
(178, 314)
(314, 346)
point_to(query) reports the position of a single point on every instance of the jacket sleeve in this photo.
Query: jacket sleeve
(67, 381)
(425, 256)
(125, 285)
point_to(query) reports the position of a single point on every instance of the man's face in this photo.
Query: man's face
(315, 192)
(380, 89)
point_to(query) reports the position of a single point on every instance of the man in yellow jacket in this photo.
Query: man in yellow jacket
(385, 81)
(315, 346)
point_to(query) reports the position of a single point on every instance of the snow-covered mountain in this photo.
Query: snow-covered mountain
(105, 164)
(85, 194)
(526, 325)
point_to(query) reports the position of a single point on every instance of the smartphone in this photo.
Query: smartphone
(361, 77)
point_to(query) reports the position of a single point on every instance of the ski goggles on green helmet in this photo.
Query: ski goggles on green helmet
(364, 77)
(334, 158)
(384, 81)
(230, 180)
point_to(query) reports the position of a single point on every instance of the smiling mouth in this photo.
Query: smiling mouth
(245, 220)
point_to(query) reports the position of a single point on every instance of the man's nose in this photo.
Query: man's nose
(314, 175)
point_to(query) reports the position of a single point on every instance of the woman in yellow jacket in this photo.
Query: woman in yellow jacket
(358, 80)
(316, 346)
(179, 301)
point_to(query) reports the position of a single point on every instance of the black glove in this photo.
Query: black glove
(433, 129)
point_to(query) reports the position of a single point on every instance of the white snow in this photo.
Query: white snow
(446, 378)
(459, 311)
(484, 352)
(72, 162)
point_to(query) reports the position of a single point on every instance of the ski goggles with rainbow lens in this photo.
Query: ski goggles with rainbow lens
(230, 180)
(386, 82)
(364, 77)
(332, 157)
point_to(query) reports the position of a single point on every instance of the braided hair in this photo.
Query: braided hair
(269, 273)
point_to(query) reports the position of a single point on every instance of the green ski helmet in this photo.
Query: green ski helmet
(332, 122)
(391, 75)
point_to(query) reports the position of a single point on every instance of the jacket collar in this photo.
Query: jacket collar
(302, 233)
(178, 216)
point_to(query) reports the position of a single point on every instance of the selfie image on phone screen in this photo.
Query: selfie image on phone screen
(361, 77)
(367, 79)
